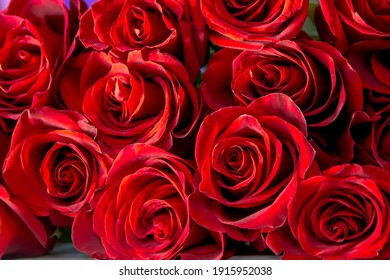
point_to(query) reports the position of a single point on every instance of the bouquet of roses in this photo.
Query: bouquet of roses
(195, 129)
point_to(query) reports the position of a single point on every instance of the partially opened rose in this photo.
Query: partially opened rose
(342, 23)
(147, 98)
(25, 69)
(250, 160)
(370, 133)
(33, 39)
(370, 60)
(315, 75)
(22, 233)
(248, 24)
(341, 214)
(54, 165)
(174, 27)
(143, 211)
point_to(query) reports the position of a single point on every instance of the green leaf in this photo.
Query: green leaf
(310, 28)
(66, 235)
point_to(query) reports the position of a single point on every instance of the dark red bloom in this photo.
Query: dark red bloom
(250, 160)
(147, 98)
(341, 214)
(143, 211)
(174, 27)
(342, 23)
(315, 75)
(54, 164)
(22, 233)
(248, 25)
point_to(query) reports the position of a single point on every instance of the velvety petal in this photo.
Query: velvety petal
(340, 214)
(367, 58)
(244, 27)
(59, 165)
(22, 233)
(216, 79)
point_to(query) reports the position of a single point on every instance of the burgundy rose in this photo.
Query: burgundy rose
(248, 24)
(70, 94)
(370, 133)
(175, 27)
(54, 164)
(22, 233)
(25, 70)
(315, 75)
(371, 60)
(148, 99)
(250, 160)
(342, 23)
(143, 211)
(341, 214)
(33, 39)
(5, 140)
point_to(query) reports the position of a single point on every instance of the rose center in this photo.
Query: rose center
(249, 10)
(64, 173)
(118, 94)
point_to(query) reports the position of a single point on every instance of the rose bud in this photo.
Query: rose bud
(174, 27)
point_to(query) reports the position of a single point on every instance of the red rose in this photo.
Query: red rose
(370, 134)
(315, 75)
(250, 160)
(369, 59)
(69, 80)
(21, 233)
(143, 211)
(341, 214)
(370, 130)
(147, 98)
(342, 23)
(33, 39)
(247, 25)
(5, 139)
(175, 27)
(25, 72)
(54, 164)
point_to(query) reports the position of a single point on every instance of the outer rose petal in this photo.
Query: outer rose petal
(129, 216)
(368, 58)
(216, 81)
(283, 242)
(248, 25)
(84, 238)
(344, 23)
(21, 233)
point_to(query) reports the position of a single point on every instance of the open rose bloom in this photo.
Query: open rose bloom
(195, 129)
